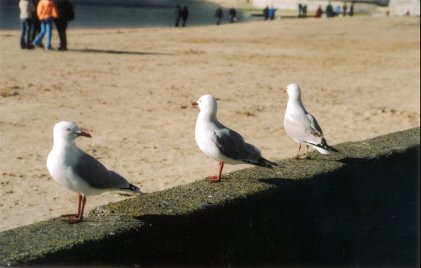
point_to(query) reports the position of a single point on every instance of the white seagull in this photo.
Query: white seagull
(78, 171)
(221, 143)
(301, 126)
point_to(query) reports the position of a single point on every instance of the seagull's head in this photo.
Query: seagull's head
(293, 91)
(68, 131)
(206, 104)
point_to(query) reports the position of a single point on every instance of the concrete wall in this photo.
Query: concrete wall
(356, 208)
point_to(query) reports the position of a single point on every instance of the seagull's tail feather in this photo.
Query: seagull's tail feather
(323, 148)
(262, 162)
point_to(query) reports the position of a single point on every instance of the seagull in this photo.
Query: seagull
(221, 143)
(301, 126)
(78, 171)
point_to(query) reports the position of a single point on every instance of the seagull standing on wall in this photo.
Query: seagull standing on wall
(221, 143)
(78, 171)
(301, 126)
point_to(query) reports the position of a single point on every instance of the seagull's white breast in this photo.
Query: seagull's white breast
(205, 139)
(60, 164)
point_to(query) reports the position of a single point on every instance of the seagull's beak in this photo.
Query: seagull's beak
(195, 104)
(84, 134)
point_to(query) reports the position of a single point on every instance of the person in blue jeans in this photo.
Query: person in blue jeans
(47, 12)
(26, 12)
(46, 29)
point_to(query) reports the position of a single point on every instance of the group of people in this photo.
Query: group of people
(219, 14)
(181, 15)
(334, 12)
(269, 13)
(37, 18)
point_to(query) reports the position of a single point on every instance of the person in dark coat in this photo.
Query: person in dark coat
(37, 23)
(219, 14)
(232, 15)
(65, 14)
(184, 16)
(266, 13)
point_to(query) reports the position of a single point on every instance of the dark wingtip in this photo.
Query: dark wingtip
(333, 150)
(134, 188)
(266, 163)
(325, 146)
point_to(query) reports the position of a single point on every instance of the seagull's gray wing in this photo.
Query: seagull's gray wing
(315, 128)
(232, 145)
(303, 128)
(97, 175)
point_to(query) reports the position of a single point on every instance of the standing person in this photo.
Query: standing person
(232, 14)
(36, 29)
(272, 12)
(329, 11)
(184, 16)
(47, 12)
(219, 14)
(66, 14)
(344, 9)
(27, 10)
(319, 12)
(266, 13)
(177, 14)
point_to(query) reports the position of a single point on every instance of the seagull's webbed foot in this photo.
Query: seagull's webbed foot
(73, 219)
(301, 157)
(213, 179)
(69, 215)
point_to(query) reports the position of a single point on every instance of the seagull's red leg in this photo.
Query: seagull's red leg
(78, 207)
(217, 178)
(299, 148)
(75, 218)
(306, 151)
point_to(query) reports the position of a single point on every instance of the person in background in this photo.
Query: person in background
(219, 14)
(272, 12)
(47, 12)
(184, 16)
(37, 24)
(27, 10)
(344, 9)
(304, 10)
(266, 13)
(319, 12)
(177, 14)
(329, 11)
(337, 11)
(66, 14)
(232, 15)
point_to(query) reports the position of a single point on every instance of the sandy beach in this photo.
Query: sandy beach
(132, 90)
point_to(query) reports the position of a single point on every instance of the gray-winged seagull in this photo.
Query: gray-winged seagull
(301, 126)
(221, 143)
(78, 171)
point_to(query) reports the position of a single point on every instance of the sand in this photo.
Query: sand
(132, 90)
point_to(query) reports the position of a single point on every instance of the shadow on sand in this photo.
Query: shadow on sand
(118, 52)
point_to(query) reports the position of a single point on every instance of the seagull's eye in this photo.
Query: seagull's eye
(68, 129)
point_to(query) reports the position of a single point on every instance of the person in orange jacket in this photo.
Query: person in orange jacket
(47, 12)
